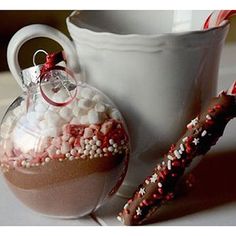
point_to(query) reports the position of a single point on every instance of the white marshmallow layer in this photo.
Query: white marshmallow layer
(46, 120)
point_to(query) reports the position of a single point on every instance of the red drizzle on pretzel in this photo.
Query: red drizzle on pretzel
(158, 188)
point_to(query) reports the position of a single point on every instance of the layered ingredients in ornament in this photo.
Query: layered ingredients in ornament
(64, 160)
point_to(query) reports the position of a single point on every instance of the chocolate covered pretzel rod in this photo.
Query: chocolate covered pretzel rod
(202, 133)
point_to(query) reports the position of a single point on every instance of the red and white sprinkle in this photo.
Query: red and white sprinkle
(177, 154)
(192, 123)
(185, 139)
(120, 219)
(111, 141)
(169, 164)
(158, 167)
(153, 179)
(182, 147)
(204, 132)
(208, 117)
(170, 157)
(142, 191)
(139, 211)
(126, 205)
(196, 141)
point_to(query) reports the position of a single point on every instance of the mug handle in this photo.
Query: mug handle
(37, 31)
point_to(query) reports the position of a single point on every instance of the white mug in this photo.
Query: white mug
(158, 77)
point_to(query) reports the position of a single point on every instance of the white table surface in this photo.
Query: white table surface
(212, 201)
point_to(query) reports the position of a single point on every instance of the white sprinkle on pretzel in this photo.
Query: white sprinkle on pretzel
(196, 141)
(170, 157)
(185, 139)
(208, 117)
(204, 132)
(169, 164)
(142, 191)
(177, 154)
(181, 147)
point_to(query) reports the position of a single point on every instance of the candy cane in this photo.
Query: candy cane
(202, 133)
(217, 17)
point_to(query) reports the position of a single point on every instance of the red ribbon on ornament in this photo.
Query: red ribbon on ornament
(51, 64)
(53, 59)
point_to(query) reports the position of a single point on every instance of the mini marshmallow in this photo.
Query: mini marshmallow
(75, 121)
(39, 115)
(61, 96)
(51, 151)
(85, 103)
(54, 108)
(97, 98)
(42, 145)
(99, 107)
(75, 110)
(115, 114)
(53, 119)
(43, 124)
(84, 120)
(32, 117)
(50, 132)
(65, 148)
(93, 117)
(106, 127)
(79, 111)
(66, 113)
(41, 107)
(86, 93)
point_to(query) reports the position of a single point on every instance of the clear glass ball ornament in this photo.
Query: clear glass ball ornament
(64, 146)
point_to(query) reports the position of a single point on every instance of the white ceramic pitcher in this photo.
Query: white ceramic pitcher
(158, 80)
(158, 77)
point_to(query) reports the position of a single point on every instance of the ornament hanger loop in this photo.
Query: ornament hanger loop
(68, 74)
(36, 53)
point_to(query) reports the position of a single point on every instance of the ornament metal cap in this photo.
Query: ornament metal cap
(31, 75)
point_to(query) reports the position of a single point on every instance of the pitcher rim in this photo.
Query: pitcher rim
(143, 36)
